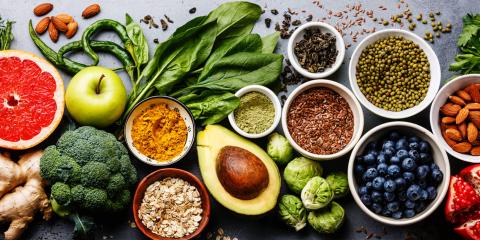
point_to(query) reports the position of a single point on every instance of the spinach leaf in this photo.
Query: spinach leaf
(239, 70)
(246, 43)
(269, 42)
(468, 60)
(139, 50)
(210, 107)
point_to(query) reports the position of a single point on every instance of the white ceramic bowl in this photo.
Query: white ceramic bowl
(449, 89)
(276, 104)
(298, 35)
(352, 102)
(439, 157)
(172, 103)
(435, 73)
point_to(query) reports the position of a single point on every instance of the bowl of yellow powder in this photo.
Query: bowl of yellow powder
(258, 114)
(160, 130)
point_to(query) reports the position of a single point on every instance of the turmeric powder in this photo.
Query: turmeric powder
(159, 132)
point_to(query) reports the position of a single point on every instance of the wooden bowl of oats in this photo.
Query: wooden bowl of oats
(171, 203)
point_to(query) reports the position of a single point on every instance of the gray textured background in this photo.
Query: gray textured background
(269, 226)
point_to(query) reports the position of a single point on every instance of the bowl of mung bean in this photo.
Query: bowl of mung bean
(394, 73)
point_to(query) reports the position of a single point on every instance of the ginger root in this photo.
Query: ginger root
(21, 192)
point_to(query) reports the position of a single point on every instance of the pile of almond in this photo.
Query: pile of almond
(61, 23)
(460, 120)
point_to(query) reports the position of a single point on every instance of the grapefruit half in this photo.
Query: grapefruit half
(31, 99)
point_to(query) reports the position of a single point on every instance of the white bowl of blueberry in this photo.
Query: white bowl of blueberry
(398, 174)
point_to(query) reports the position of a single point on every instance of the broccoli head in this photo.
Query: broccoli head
(90, 171)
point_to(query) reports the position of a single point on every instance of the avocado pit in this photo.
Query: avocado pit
(241, 173)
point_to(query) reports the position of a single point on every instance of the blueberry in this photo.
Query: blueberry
(409, 204)
(386, 212)
(424, 147)
(432, 192)
(382, 169)
(401, 154)
(378, 182)
(390, 186)
(420, 206)
(389, 196)
(394, 171)
(389, 152)
(359, 170)
(434, 166)
(366, 199)
(422, 183)
(372, 146)
(402, 196)
(409, 213)
(363, 190)
(388, 144)
(393, 206)
(368, 185)
(381, 158)
(395, 160)
(397, 215)
(413, 192)
(369, 159)
(413, 145)
(377, 208)
(425, 158)
(423, 195)
(370, 174)
(376, 197)
(422, 171)
(401, 183)
(409, 177)
(408, 164)
(359, 160)
(437, 176)
(413, 154)
(401, 144)
(413, 139)
(394, 136)
(374, 153)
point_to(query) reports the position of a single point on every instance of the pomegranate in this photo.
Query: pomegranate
(463, 202)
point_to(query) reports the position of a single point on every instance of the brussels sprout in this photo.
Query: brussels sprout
(279, 149)
(292, 212)
(338, 183)
(328, 219)
(299, 171)
(316, 194)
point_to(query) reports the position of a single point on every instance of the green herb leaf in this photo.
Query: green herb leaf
(269, 42)
(139, 50)
(468, 32)
(83, 226)
(6, 35)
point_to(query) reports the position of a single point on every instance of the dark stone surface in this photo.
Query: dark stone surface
(268, 226)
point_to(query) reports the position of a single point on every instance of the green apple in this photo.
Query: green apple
(96, 97)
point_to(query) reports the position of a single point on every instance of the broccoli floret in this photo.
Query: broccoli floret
(61, 193)
(94, 167)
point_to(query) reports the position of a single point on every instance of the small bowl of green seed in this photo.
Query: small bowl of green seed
(258, 113)
(394, 73)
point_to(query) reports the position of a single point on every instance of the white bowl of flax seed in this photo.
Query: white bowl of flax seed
(322, 119)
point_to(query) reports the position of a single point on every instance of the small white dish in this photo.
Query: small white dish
(298, 35)
(435, 73)
(439, 157)
(447, 90)
(352, 102)
(276, 104)
(172, 103)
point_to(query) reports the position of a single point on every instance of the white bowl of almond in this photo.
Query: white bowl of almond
(455, 117)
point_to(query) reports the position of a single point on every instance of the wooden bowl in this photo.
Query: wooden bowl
(178, 173)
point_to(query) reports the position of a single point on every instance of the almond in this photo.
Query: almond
(457, 100)
(449, 141)
(464, 95)
(473, 106)
(72, 29)
(462, 128)
(450, 109)
(474, 91)
(475, 151)
(91, 11)
(65, 18)
(454, 134)
(463, 147)
(42, 25)
(448, 120)
(52, 32)
(61, 26)
(475, 117)
(472, 132)
(461, 116)
(42, 9)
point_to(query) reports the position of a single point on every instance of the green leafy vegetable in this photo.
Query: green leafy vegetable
(6, 35)
(468, 60)
(139, 49)
(269, 42)
(83, 226)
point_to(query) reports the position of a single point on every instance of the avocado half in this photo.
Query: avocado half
(239, 174)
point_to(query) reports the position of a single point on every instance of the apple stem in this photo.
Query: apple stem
(97, 89)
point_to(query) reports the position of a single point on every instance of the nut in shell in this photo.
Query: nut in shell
(72, 29)
(42, 9)
(91, 11)
(42, 25)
